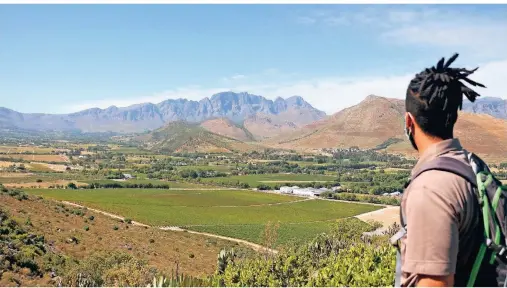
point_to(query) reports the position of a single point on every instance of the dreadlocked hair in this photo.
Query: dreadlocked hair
(435, 95)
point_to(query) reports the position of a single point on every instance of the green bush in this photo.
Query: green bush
(127, 220)
(86, 228)
(342, 258)
(71, 185)
(91, 218)
(115, 227)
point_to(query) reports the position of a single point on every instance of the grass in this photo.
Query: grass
(233, 213)
(294, 233)
(272, 179)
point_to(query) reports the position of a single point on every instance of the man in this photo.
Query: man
(441, 211)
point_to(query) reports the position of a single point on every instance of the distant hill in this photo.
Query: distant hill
(225, 127)
(263, 126)
(377, 122)
(236, 107)
(182, 136)
(493, 106)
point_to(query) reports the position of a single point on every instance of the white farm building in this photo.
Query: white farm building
(311, 192)
(286, 190)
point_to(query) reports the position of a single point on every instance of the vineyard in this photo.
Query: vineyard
(238, 214)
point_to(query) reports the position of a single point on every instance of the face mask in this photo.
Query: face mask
(410, 137)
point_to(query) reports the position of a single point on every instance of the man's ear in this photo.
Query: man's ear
(409, 121)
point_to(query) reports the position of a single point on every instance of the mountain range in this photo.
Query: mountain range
(237, 107)
(240, 121)
(377, 123)
(493, 106)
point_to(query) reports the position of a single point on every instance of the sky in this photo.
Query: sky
(66, 58)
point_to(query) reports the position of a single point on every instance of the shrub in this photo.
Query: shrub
(91, 218)
(342, 258)
(191, 255)
(152, 241)
(263, 187)
(109, 269)
(127, 220)
(86, 228)
(38, 180)
(115, 227)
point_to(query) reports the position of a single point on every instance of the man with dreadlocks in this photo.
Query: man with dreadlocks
(440, 212)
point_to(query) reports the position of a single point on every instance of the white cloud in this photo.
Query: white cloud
(480, 37)
(329, 94)
(445, 27)
(239, 76)
(306, 20)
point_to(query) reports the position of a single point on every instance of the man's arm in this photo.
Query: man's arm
(436, 281)
(432, 233)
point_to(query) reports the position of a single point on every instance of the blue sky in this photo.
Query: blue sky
(64, 58)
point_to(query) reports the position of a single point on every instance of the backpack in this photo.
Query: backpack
(491, 196)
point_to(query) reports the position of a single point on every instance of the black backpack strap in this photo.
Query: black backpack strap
(451, 165)
(446, 164)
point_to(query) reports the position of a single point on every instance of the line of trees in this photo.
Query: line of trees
(126, 185)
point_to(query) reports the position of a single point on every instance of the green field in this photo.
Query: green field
(272, 179)
(296, 233)
(240, 214)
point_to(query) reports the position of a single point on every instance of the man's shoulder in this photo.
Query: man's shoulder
(442, 184)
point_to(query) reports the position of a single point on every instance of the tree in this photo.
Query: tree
(71, 185)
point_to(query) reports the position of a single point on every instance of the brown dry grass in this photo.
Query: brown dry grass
(40, 158)
(54, 167)
(44, 184)
(32, 149)
(263, 126)
(225, 127)
(168, 248)
(4, 164)
(365, 125)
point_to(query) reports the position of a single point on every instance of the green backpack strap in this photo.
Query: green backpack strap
(484, 201)
(484, 179)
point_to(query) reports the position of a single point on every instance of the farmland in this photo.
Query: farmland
(39, 157)
(210, 195)
(239, 214)
(272, 179)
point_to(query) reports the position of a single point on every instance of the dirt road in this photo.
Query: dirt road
(254, 246)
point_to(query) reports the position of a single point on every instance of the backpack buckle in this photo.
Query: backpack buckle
(499, 250)
(395, 239)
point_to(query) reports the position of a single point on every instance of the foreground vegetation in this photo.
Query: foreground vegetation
(341, 257)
